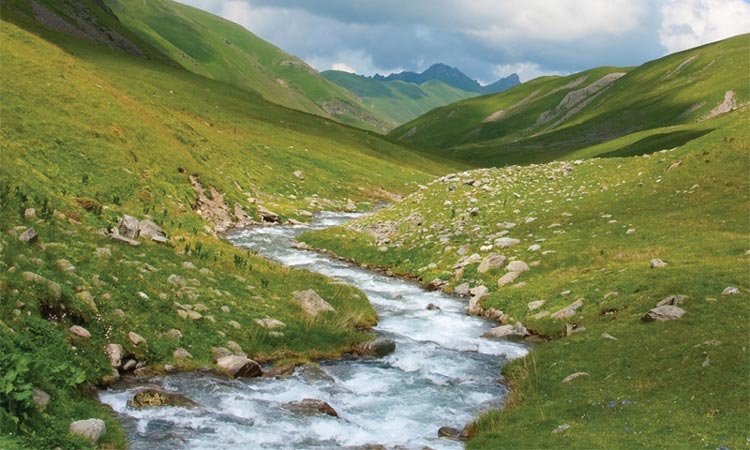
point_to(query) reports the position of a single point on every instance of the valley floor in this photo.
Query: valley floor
(577, 254)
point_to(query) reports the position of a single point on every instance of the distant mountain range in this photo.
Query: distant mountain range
(401, 97)
(452, 77)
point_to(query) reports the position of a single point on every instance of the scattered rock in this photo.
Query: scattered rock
(149, 230)
(234, 324)
(40, 398)
(136, 338)
(270, 323)
(181, 353)
(506, 331)
(128, 227)
(462, 289)
(125, 239)
(611, 294)
(491, 262)
(505, 242)
(267, 215)
(311, 406)
(672, 300)
(91, 429)
(30, 235)
(534, 248)
(731, 291)
(152, 397)
(663, 313)
(279, 371)
(311, 302)
(508, 278)
(114, 352)
(103, 252)
(568, 311)
(608, 336)
(517, 266)
(573, 376)
(562, 428)
(239, 366)
(299, 174)
(535, 305)
(657, 263)
(29, 213)
(433, 307)
(630, 232)
(80, 332)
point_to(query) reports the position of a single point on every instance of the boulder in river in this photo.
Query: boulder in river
(239, 366)
(152, 397)
(311, 406)
(454, 433)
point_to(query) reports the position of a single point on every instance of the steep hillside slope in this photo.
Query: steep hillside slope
(398, 101)
(584, 255)
(549, 117)
(90, 134)
(217, 48)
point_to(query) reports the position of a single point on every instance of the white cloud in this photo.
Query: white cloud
(526, 70)
(343, 67)
(689, 23)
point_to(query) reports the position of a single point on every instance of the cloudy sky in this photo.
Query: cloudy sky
(486, 39)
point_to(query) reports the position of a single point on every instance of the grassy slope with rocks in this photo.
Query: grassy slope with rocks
(222, 50)
(398, 101)
(550, 117)
(677, 384)
(117, 135)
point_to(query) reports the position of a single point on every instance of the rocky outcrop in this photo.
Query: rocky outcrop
(663, 313)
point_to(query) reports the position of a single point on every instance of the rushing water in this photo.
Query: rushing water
(442, 373)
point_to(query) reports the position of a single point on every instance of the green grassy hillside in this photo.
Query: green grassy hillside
(588, 232)
(222, 50)
(397, 101)
(90, 133)
(550, 117)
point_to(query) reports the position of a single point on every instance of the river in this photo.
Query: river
(441, 374)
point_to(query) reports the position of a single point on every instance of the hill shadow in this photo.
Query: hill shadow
(657, 142)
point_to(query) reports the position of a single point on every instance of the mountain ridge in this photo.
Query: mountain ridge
(453, 77)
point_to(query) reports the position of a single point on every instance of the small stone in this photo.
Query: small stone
(462, 289)
(136, 339)
(114, 352)
(535, 305)
(88, 299)
(299, 174)
(29, 213)
(534, 248)
(630, 231)
(188, 265)
(508, 278)
(80, 332)
(129, 365)
(505, 331)
(731, 291)
(568, 311)
(664, 313)
(152, 398)
(65, 265)
(270, 323)
(562, 428)
(128, 227)
(517, 266)
(30, 235)
(672, 300)
(103, 252)
(181, 353)
(608, 336)
(234, 324)
(40, 398)
(573, 376)
(505, 242)
(491, 262)
(657, 263)
(611, 294)
(381, 347)
(91, 429)
(433, 307)
(225, 309)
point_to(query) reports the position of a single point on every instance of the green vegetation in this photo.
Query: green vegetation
(398, 101)
(551, 117)
(89, 134)
(599, 223)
